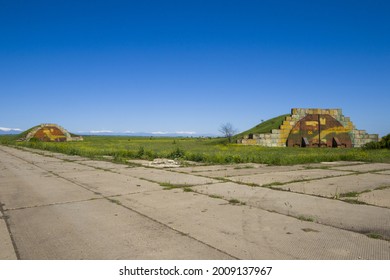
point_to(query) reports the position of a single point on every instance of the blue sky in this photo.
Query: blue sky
(189, 66)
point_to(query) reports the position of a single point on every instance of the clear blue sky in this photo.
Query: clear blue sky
(148, 66)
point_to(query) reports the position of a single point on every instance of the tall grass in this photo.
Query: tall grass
(200, 150)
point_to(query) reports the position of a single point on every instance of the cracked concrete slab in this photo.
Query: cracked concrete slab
(377, 197)
(251, 233)
(253, 168)
(7, 251)
(171, 224)
(35, 190)
(368, 167)
(245, 170)
(287, 176)
(336, 163)
(100, 229)
(70, 157)
(384, 172)
(25, 185)
(109, 183)
(54, 155)
(19, 168)
(209, 168)
(201, 168)
(138, 161)
(333, 187)
(48, 157)
(37, 160)
(63, 167)
(44, 155)
(165, 176)
(104, 164)
(357, 218)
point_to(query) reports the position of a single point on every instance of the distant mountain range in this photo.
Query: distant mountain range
(4, 131)
(146, 134)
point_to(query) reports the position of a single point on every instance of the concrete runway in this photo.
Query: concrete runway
(55, 206)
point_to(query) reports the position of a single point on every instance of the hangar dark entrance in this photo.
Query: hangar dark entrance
(319, 130)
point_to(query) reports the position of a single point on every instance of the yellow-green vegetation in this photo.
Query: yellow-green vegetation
(206, 150)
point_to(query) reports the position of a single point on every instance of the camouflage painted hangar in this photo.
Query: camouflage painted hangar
(49, 133)
(312, 128)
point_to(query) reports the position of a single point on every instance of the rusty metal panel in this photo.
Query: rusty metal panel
(319, 130)
(50, 134)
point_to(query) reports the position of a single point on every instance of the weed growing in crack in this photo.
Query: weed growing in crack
(170, 186)
(375, 235)
(352, 194)
(382, 188)
(349, 194)
(215, 196)
(117, 202)
(244, 167)
(236, 202)
(306, 218)
(354, 201)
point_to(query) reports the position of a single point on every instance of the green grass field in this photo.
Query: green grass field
(212, 151)
(263, 127)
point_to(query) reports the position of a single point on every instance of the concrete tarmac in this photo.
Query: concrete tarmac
(55, 206)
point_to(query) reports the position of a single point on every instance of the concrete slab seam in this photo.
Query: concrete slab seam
(53, 204)
(5, 217)
(107, 170)
(128, 208)
(176, 230)
(300, 217)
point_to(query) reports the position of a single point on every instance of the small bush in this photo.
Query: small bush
(177, 153)
(150, 155)
(140, 152)
(383, 144)
(195, 157)
(372, 146)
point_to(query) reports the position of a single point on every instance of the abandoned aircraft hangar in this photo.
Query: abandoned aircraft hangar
(49, 133)
(310, 128)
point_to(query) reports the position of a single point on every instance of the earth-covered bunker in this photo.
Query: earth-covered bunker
(49, 133)
(311, 128)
